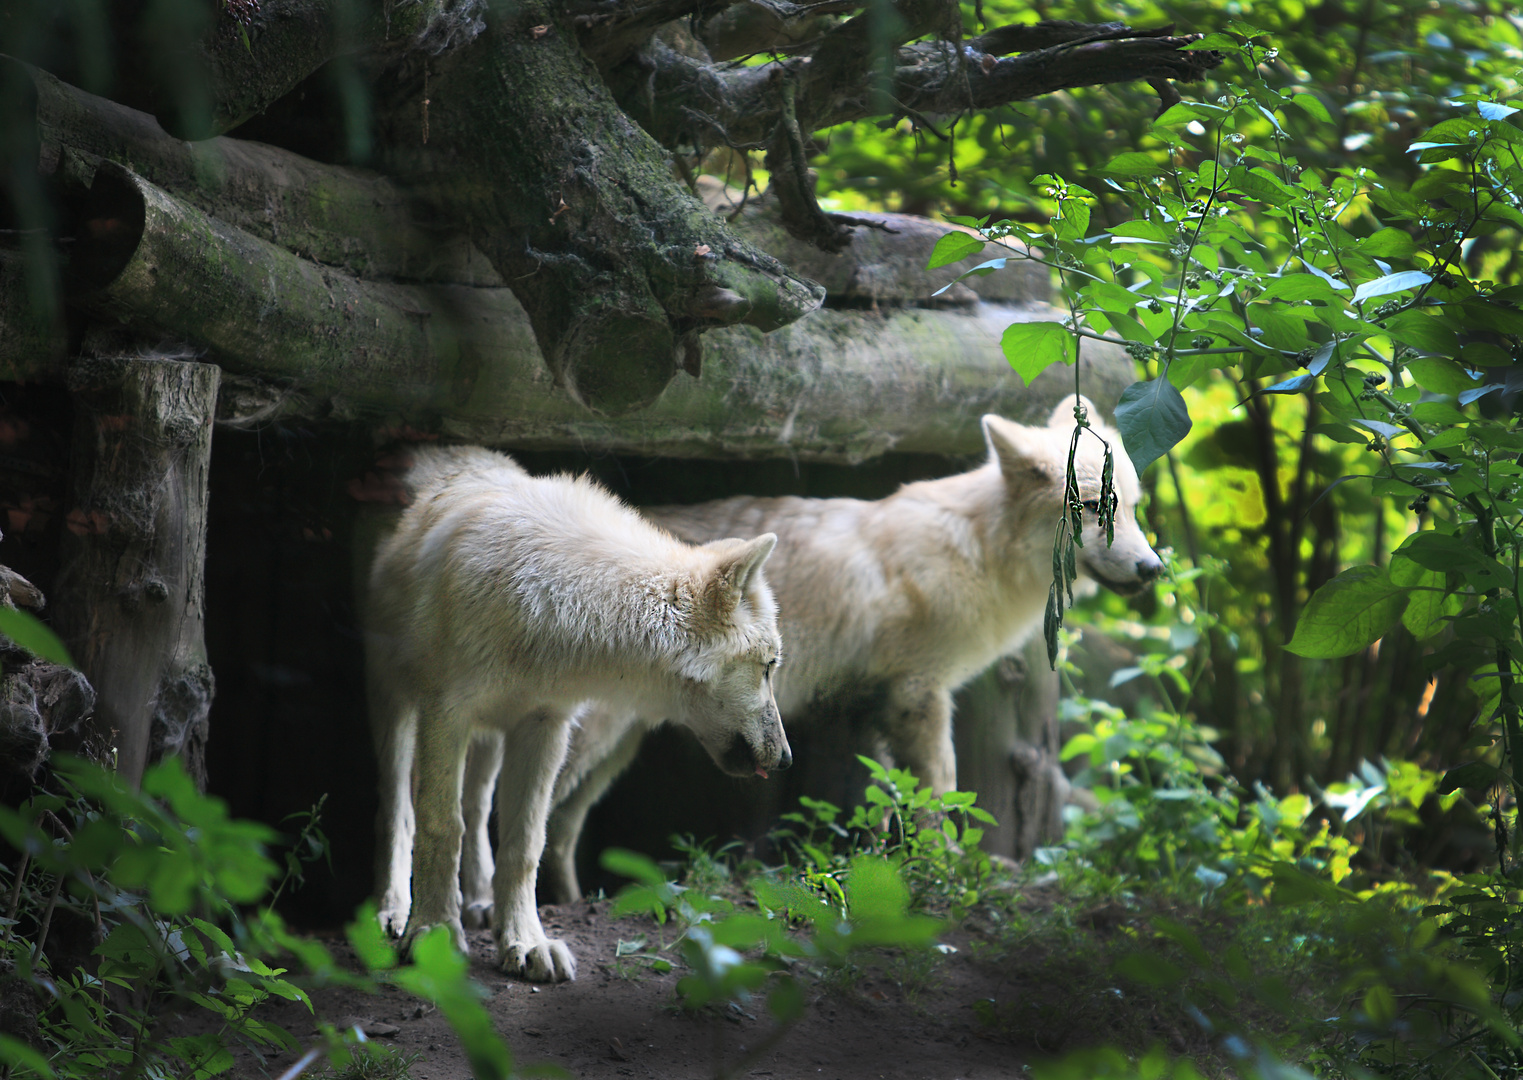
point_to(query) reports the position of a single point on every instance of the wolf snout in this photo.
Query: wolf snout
(1149, 567)
(742, 759)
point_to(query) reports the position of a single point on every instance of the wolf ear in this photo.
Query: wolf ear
(740, 563)
(1063, 413)
(1020, 451)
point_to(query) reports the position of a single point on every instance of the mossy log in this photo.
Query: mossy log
(343, 217)
(130, 595)
(161, 265)
(619, 268)
(840, 386)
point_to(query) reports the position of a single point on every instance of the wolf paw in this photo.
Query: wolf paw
(414, 932)
(393, 918)
(548, 960)
(477, 916)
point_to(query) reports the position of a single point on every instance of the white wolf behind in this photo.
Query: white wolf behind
(498, 606)
(901, 600)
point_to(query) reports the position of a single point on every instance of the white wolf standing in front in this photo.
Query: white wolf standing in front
(903, 599)
(499, 605)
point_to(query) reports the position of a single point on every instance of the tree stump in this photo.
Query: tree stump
(1006, 731)
(131, 589)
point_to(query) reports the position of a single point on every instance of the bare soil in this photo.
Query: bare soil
(896, 1018)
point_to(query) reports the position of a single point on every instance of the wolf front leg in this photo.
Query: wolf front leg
(533, 752)
(441, 744)
(482, 762)
(393, 729)
(601, 749)
(919, 733)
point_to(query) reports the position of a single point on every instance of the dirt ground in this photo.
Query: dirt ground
(896, 1021)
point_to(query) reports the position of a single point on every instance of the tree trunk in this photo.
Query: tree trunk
(617, 266)
(1007, 751)
(131, 588)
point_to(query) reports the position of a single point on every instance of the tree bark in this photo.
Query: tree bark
(31, 344)
(1006, 731)
(682, 100)
(131, 587)
(338, 216)
(166, 267)
(618, 267)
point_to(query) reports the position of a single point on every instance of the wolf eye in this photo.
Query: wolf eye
(1093, 505)
(770, 665)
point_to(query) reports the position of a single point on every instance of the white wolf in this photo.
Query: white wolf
(899, 601)
(501, 603)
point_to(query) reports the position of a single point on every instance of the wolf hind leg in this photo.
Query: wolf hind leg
(599, 754)
(918, 730)
(532, 756)
(483, 760)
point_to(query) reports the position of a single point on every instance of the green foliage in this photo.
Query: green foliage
(164, 879)
(1399, 978)
(32, 634)
(856, 884)
(160, 875)
(1375, 75)
(932, 840)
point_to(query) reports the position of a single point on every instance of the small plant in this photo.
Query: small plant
(932, 840)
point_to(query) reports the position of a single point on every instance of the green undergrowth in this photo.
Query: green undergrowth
(132, 916)
(1186, 924)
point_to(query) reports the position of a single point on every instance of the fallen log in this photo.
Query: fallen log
(840, 386)
(331, 214)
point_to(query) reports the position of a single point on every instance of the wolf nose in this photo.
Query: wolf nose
(1148, 569)
(786, 759)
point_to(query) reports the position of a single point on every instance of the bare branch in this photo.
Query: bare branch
(665, 91)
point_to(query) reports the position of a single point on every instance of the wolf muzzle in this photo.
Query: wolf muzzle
(741, 759)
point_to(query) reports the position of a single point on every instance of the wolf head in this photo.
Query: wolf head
(726, 697)
(1034, 462)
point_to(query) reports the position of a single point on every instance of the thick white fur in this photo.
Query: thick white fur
(915, 593)
(498, 606)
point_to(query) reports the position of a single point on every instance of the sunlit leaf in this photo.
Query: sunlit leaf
(1033, 347)
(1391, 283)
(954, 247)
(1348, 613)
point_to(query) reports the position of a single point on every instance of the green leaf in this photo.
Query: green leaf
(1185, 111)
(1300, 287)
(1440, 376)
(1033, 347)
(15, 1053)
(1424, 615)
(1475, 775)
(1074, 219)
(632, 864)
(954, 247)
(1131, 165)
(1388, 243)
(1348, 613)
(1450, 554)
(34, 636)
(1430, 333)
(1152, 417)
(1312, 105)
(1259, 184)
(1391, 283)
(369, 941)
